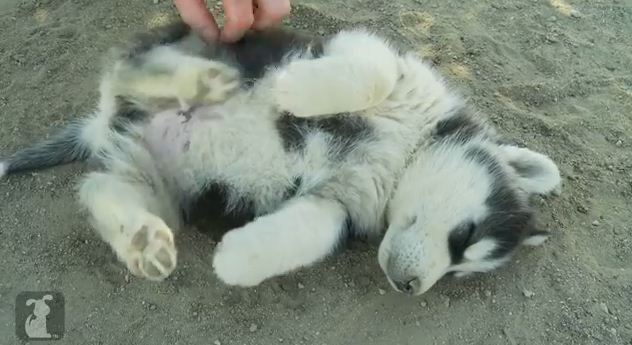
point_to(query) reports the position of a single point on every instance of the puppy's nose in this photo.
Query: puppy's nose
(407, 286)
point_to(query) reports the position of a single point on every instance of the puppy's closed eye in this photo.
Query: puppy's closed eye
(459, 239)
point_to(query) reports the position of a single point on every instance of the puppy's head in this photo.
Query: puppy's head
(462, 207)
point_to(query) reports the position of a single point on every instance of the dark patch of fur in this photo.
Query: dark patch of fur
(460, 126)
(208, 211)
(509, 221)
(459, 239)
(145, 41)
(354, 231)
(259, 50)
(345, 130)
(318, 49)
(127, 113)
(291, 133)
(293, 190)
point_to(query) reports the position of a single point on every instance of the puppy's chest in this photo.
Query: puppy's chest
(168, 135)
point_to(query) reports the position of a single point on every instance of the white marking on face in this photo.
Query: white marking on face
(535, 240)
(480, 250)
(467, 267)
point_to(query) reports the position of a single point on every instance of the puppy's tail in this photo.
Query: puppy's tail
(63, 147)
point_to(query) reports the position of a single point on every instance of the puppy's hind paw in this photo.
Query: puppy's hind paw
(204, 81)
(152, 253)
(218, 82)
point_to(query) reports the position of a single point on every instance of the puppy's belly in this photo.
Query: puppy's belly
(168, 134)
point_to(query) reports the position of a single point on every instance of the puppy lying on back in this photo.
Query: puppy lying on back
(320, 139)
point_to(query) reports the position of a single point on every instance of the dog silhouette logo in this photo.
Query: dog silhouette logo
(39, 315)
(35, 325)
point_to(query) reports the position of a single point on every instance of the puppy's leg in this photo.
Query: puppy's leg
(166, 73)
(304, 231)
(356, 72)
(121, 207)
(154, 65)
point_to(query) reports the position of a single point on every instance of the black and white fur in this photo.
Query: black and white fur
(320, 139)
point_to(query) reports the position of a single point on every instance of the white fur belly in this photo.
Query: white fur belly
(237, 146)
(168, 135)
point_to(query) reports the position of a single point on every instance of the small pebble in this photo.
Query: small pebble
(604, 307)
(488, 293)
(619, 143)
(152, 307)
(528, 293)
(552, 18)
(595, 223)
(156, 2)
(217, 342)
(301, 286)
(423, 304)
(382, 291)
(575, 13)
(253, 328)
(195, 313)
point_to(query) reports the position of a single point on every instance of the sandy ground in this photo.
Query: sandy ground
(553, 75)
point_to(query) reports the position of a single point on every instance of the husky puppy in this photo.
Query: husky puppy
(320, 138)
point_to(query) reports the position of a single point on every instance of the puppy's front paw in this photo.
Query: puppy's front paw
(236, 262)
(152, 252)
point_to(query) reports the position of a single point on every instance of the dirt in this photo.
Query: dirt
(552, 75)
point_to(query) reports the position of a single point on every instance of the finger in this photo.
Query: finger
(270, 12)
(239, 18)
(198, 17)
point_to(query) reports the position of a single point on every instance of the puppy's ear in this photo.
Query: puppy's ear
(536, 238)
(537, 174)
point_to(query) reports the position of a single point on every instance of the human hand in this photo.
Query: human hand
(240, 15)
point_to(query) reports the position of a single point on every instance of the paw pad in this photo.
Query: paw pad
(152, 252)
